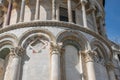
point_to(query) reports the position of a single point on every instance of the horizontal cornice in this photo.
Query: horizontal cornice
(59, 24)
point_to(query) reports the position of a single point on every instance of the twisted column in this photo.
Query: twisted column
(13, 67)
(55, 62)
(69, 11)
(22, 11)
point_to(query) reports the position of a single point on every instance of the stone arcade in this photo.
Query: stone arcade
(56, 40)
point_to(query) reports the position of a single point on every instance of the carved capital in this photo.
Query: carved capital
(55, 47)
(17, 51)
(88, 55)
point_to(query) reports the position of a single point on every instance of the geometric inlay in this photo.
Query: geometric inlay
(37, 45)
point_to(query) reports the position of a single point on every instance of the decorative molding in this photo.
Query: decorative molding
(73, 37)
(43, 33)
(59, 24)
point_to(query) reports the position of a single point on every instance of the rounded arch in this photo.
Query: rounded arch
(98, 44)
(7, 42)
(9, 39)
(73, 37)
(34, 33)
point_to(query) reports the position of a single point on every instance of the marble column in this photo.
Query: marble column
(83, 2)
(69, 11)
(53, 9)
(13, 67)
(7, 22)
(22, 11)
(55, 63)
(37, 9)
(81, 65)
(110, 70)
(94, 18)
(57, 12)
(90, 65)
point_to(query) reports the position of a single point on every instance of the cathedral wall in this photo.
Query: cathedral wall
(55, 40)
(72, 63)
(37, 59)
(36, 63)
(101, 72)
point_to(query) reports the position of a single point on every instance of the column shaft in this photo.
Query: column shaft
(84, 14)
(94, 21)
(37, 9)
(90, 65)
(57, 13)
(55, 66)
(7, 22)
(91, 71)
(22, 11)
(69, 11)
(53, 9)
(13, 68)
(16, 68)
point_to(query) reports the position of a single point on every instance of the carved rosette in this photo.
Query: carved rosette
(55, 48)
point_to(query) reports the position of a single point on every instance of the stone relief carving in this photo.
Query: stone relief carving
(91, 55)
(19, 51)
(55, 47)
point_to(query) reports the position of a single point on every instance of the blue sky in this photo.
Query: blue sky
(112, 9)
